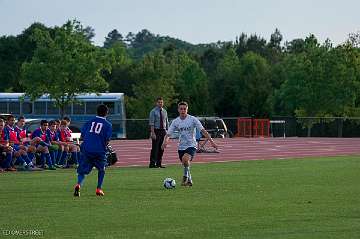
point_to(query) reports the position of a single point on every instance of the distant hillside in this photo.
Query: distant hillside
(145, 42)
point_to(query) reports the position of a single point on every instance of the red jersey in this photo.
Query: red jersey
(65, 135)
(4, 137)
(21, 133)
(13, 136)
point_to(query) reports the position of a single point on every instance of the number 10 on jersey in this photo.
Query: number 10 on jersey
(96, 127)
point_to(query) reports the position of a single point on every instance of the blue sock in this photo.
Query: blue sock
(48, 159)
(58, 155)
(81, 178)
(59, 159)
(101, 175)
(31, 156)
(78, 157)
(63, 157)
(7, 163)
(74, 157)
(24, 159)
(53, 158)
(19, 160)
(42, 159)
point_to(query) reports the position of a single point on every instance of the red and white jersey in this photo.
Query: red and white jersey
(69, 130)
(4, 137)
(65, 135)
(13, 136)
(21, 133)
(41, 134)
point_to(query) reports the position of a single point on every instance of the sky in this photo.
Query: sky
(194, 21)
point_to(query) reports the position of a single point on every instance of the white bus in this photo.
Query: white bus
(79, 112)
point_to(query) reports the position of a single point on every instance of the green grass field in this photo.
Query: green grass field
(302, 198)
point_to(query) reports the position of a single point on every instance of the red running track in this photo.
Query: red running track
(136, 152)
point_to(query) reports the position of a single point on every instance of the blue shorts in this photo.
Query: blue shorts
(89, 160)
(191, 151)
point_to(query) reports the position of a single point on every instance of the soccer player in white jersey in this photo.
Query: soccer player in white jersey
(186, 125)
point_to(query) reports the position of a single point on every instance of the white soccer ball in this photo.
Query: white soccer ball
(169, 183)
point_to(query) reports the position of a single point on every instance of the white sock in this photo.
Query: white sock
(186, 171)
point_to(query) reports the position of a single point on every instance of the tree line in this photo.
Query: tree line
(249, 76)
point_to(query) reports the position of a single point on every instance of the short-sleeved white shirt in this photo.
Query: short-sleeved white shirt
(186, 128)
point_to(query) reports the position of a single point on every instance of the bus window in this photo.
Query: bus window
(26, 108)
(52, 109)
(111, 106)
(91, 107)
(78, 108)
(121, 109)
(14, 107)
(40, 107)
(3, 107)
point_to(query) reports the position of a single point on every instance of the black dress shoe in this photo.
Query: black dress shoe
(152, 166)
(161, 166)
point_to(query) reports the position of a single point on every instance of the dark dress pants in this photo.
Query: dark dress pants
(156, 151)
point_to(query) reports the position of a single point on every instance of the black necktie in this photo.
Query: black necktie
(161, 120)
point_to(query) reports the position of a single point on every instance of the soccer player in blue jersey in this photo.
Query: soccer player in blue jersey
(25, 140)
(43, 144)
(56, 145)
(96, 135)
(6, 148)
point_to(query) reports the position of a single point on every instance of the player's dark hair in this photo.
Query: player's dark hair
(52, 122)
(10, 117)
(183, 103)
(102, 110)
(67, 119)
(159, 98)
(42, 122)
(57, 121)
(21, 118)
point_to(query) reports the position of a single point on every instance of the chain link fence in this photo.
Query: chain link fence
(320, 127)
(280, 126)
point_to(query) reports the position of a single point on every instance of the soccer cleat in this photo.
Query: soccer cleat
(99, 192)
(21, 168)
(77, 190)
(184, 181)
(11, 169)
(28, 168)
